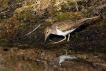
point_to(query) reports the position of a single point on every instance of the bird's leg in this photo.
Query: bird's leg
(61, 40)
(68, 37)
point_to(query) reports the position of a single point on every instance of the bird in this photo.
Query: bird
(65, 27)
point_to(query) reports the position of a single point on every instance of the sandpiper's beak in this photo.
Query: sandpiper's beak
(45, 38)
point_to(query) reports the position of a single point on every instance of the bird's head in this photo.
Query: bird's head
(47, 32)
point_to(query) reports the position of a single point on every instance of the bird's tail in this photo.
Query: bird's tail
(87, 20)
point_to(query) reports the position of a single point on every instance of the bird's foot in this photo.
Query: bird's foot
(55, 42)
(60, 40)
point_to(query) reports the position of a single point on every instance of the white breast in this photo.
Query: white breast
(59, 32)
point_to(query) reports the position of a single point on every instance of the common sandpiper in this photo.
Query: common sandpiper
(65, 27)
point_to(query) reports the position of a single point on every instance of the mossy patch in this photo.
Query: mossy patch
(4, 4)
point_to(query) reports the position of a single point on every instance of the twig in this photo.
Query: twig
(101, 6)
(32, 30)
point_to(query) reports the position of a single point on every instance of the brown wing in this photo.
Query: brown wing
(68, 24)
(64, 25)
